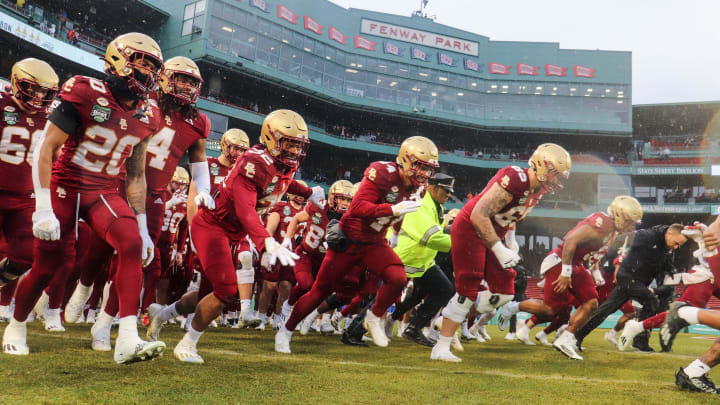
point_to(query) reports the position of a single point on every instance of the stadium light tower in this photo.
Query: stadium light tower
(423, 5)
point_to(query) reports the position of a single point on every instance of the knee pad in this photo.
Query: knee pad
(10, 271)
(457, 309)
(485, 301)
(245, 276)
(245, 258)
(503, 299)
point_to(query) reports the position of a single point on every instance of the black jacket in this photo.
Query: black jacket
(648, 257)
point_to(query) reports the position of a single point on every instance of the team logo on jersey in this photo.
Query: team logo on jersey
(286, 211)
(214, 169)
(316, 218)
(11, 118)
(123, 124)
(275, 179)
(30, 121)
(100, 113)
(168, 120)
(61, 192)
(270, 188)
(9, 108)
(505, 181)
(522, 200)
(395, 189)
(102, 101)
(391, 196)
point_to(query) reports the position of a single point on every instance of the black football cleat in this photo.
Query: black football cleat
(672, 326)
(695, 384)
(417, 336)
(351, 340)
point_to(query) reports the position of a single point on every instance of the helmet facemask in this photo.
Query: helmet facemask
(184, 88)
(33, 96)
(141, 72)
(420, 172)
(341, 203)
(550, 179)
(292, 150)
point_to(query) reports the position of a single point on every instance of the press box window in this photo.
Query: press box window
(193, 19)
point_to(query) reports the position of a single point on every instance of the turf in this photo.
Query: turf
(242, 368)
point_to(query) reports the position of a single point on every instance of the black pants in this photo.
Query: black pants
(434, 288)
(625, 289)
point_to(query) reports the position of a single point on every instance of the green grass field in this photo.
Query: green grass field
(242, 368)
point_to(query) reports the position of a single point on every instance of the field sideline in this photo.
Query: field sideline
(241, 367)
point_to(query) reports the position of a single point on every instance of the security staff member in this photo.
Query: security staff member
(649, 256)
(423, 234)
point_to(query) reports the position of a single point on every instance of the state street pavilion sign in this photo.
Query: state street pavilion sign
(431, 39)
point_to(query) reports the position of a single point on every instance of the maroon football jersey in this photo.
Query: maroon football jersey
(20, 131)
(593, 250)
(254, 183)
(315, 229)
(515, 181)
(286, 212)
(173, 217)
(169, 144)
(370, 213)
(93, 158)
(218, 172)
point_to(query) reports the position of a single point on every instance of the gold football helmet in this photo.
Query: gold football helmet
(237, 138)
(181, 79)
(285, 135)
(626, 212)
(300, 200)
(34, 83)
(137, 58)
(418, 158)
(340, 195)
(356, 187)
(181, 175)
(552, 164)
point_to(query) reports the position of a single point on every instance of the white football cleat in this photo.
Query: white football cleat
(308, 322)
(286, 311)
(90, 316)
(100, 337)
(134, 349)
(52, 320)
(389, 326)
(76, 304)
(41, 306)
(481, 331)
(282, 342)
(566, 344)
(444, 355)
(523, 333)
(187, 353)
(248, 320)
(261, 326)
(455, 343)
(154, 322)
(632, 328)
(375, 329)
(504, 318)
(15, 339)
(541, 337)
(336, 321)
(401, 328)
(611, 337)
(326, 328)
(510, 336)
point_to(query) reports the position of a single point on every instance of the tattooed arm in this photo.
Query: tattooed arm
(489, 204)
(135, 184)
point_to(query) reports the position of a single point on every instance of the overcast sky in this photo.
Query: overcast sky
(675, 45)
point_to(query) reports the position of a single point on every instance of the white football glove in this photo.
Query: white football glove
(405, 207)
(265, 262)
(148, 248)
(204, 199)
(599, 279)
(176, 199)
(287, 243)
(277, 252)
(393, 240)
(45, 225)
(318, 196)
(507, 258)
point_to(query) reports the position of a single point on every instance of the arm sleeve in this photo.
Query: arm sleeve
(66, 117)
(245, 197)
(201, 176)
(182, 235)
(364, 203)
(296, 188)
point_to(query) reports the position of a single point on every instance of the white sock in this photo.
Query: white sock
(16, 324)
(284, 330)
(245, 307)
(52, 312)
(169, 312)
(465, 328)
(128, 327)
(697, 368)
(263, 318)
(277, 319)
(192, 336)
(689, 314)
(104, 320)
(524, 328)
(484, 318)
(541, 335)
(326, 317)
(443, 342)
(513, 306)
(612, 333)
(370, 316)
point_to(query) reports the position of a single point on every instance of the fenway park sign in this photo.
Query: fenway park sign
(431, 39)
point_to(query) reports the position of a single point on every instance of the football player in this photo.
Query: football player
(279, 277)
(477, 234)
(103, 128)
(388, 191)
(255, 184)
(566, 275)
(34, 86)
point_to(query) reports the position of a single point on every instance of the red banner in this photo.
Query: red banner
(336, 35)
(499, 68)
(554, 70)
(525, 69)
(313, 25)
(582, 71)
(286, 14)
(364, 43)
